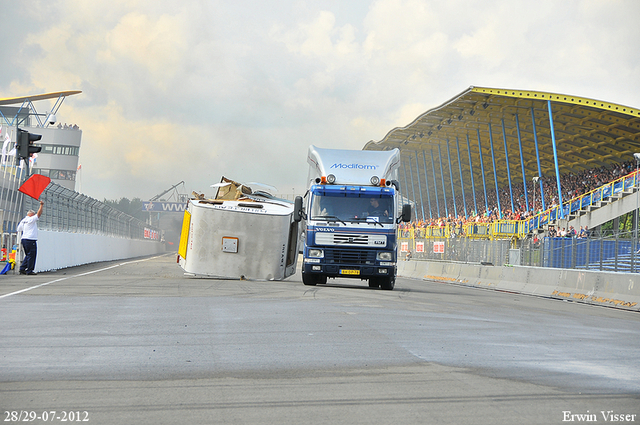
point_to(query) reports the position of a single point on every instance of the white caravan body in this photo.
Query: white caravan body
(254, 240)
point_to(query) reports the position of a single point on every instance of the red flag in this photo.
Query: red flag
(35, 185)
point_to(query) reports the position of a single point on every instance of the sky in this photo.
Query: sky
(194, 90)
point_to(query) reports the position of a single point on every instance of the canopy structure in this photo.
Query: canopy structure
(487, 141)
(34, 97)
(26, 105)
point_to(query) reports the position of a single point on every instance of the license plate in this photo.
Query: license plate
(345, 271)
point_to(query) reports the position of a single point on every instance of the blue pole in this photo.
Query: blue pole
(426, 181)
(453, 192)
(495, 174)
(473, 184)
(484, 183)
(419, 186)
(413, 186)
(464, 200)
(524, 175)
(535, 139)
(555, 158)
(444, 190)
(435, 183)
(506, 155)
(404, 168)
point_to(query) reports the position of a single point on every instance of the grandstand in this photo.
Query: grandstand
(514, 169)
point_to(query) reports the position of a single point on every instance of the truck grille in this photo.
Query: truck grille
(349, 256)
(346, 239)
(351, 239)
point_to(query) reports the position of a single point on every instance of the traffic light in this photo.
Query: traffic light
(24, 145)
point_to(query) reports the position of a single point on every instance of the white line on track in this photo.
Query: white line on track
(74, 276)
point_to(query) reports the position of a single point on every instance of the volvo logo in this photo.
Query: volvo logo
(325, 229)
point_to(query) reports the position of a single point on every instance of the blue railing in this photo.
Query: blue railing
(592, 254)
(582, 202)
(506, 229)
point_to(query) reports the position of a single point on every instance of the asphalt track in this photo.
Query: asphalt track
(137, 342)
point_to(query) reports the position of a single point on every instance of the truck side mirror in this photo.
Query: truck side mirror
(406, 213)
(298, 213)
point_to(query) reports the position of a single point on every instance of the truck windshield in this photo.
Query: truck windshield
(343, 208)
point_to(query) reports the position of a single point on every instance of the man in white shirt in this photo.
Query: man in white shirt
(29, 228)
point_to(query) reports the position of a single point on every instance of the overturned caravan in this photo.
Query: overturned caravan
(254, 237)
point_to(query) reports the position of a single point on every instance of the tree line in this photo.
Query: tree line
(132, 207)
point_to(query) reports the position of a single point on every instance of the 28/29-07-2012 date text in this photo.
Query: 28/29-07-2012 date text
(46, 416)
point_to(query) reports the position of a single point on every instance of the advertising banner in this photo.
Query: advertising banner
(162, 206)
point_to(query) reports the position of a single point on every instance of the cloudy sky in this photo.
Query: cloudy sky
(191, 90)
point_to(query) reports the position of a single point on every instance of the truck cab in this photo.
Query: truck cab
(351, 217)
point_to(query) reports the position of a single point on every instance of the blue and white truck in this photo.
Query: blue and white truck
(351, 211)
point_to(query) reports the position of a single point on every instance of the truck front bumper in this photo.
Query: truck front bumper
(351, 270)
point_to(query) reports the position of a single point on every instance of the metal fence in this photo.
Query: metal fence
(69, 211)
(619, 252)
(73, 212)
(494, 252)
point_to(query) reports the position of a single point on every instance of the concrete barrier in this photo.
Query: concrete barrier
(530, 280)
(442, 271)
(469, 275)
(490, 276)
(59, 250)
(619, 290)
(514, 279)
(412, 269)
(543, 281)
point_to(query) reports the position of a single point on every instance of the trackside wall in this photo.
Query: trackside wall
(619, 290)
(58, 250)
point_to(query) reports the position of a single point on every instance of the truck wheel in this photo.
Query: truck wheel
(387, 283)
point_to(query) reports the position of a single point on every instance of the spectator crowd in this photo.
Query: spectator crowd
(572, 185)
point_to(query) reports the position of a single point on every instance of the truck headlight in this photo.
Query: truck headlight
(384, 256)
(316, 253)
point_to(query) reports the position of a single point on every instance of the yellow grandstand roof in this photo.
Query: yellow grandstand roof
(588, 134)
(35, 97)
